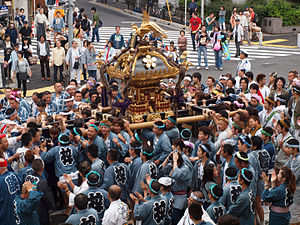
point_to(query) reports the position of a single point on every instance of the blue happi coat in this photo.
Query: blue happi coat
(118, 174)
(65, 159)
(26, 208)
(9, 187)
(152, 212)
(279, 196)
(231, 192)
(133, 169)
(244, 207)
(98, 200)
(147, 167)
(86, 216)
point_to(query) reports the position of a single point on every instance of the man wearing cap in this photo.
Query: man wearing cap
(9, 188)
(269, 115)
(171, 130)
(51, 107)
(244, 208)
(281, 138)
(165, 191)
(244, 63)
(25, 33)
(196, 197)
(97, 198)
(147, 167)
(116, 174)
(153, 211)
(59, 96)
(238, 34)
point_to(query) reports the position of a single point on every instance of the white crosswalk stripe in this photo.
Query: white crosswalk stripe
(255, 52)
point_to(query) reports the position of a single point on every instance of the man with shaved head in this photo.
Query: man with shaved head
(118, 212)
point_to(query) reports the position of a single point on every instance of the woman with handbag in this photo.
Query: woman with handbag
(217, 47)
(21, 69)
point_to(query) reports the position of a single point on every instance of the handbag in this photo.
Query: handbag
(33, 60)
(217, 46)
(76, 65)
(22, 75)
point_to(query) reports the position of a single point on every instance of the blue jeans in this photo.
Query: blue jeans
(93, 73)
(193, 35)
(95, 33)
(218, 58)
(204, 50)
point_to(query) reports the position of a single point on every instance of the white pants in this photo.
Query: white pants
(77, 73)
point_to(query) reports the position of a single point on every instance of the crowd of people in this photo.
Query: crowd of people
(227, 169)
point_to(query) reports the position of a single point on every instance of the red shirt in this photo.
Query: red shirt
(195, 22)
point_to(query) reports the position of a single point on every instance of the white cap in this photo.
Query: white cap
(166, 181)
(223, 77)
(244, 52)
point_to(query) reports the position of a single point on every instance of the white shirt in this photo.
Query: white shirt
(43, 51)
(77, 190)
(265, 91)
(244, 64)
(116, 214)
(41, 18)
(185, 220)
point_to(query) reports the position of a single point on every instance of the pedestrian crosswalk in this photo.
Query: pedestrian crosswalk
(255, 52)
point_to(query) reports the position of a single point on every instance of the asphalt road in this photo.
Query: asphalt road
(111, 18)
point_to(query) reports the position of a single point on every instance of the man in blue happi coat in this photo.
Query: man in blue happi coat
(244, 207)
(97, 197)
(26, 205)
(148, 167)
(9, 187)
(152, 211)
(84, 215)
(117, 173)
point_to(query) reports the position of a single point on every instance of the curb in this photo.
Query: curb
(140, 16)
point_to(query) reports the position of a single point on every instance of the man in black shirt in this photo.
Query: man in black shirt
(25, 32)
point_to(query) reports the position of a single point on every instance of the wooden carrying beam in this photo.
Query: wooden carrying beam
(189, 119)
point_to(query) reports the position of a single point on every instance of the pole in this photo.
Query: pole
(185, 10)
(187, 119)
(169, 11)
(260, 38)
(202, 11)
(298, 40)
(70, 23)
